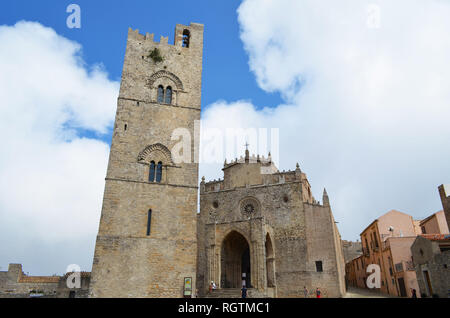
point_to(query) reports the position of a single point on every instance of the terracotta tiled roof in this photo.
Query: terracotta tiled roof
(39, 279)
(82, 274)
(436, 237)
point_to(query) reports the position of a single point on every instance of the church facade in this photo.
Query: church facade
(263, 228)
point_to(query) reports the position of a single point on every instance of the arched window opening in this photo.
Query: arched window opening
(186, 38)
(151, 177)
(160, 94)
(159, 172)
(168, 95)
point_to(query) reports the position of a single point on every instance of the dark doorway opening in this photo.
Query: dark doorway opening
(235, 261)
(245, 269)
(401, 285)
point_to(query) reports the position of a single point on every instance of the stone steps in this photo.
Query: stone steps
(224, 293)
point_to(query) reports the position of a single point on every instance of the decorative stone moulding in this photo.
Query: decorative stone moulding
(249, 206)
(156, 152)
(167, 74)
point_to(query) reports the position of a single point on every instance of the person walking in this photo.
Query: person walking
(211, 286)
(318, 292)
(413, 293)
(305, 291)
(244, 292)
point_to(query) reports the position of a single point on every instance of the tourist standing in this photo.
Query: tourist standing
(244, 292)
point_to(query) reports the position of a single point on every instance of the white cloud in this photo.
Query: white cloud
(367, 109)
(51, 179)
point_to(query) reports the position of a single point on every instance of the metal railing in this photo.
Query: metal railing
(404, 266)
(399, 267)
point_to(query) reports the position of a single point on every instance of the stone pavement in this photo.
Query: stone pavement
(353, 292)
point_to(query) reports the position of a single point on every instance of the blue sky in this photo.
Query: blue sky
(105, 27)
(369, 121)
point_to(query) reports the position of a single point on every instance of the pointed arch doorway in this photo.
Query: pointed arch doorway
(235, 261)
(270, 262)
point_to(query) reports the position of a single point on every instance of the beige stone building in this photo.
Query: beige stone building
(355, 272)
(16, 284)
(431, 254)
(263, 228)
(351, 250)
(444, 193)
(147, 240)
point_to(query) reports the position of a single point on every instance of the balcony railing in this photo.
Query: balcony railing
(399, 267)
(404, 266)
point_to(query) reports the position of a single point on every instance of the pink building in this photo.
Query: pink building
(434, 224)
(387, 242)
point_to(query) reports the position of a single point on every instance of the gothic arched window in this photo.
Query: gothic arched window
(151, 177)
(160, 94)
(159, 172)
(168, 95)
(186, 38)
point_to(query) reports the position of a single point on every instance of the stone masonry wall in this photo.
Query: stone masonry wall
(302, 233)
(127, 262)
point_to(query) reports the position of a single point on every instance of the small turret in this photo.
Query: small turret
(298, 172)
(247, 153)
(325, 199)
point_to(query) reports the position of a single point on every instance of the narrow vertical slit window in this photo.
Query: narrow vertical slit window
(319, 267)
(159, 172)
(151, 177)
(149, 222)
(168, 95)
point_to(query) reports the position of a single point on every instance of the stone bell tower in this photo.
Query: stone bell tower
(146, 244)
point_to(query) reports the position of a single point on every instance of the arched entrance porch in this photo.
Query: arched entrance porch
(270, 262)
(235, 261)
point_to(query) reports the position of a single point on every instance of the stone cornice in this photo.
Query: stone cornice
(152, 183)
(151, 102)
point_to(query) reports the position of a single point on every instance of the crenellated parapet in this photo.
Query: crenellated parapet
(181, 39)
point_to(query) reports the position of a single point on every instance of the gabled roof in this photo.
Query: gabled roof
(377, 219)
